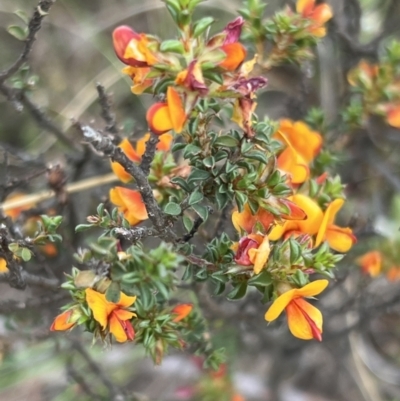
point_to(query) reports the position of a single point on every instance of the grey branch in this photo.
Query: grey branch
(106, 112)
(32, 280)
(148, 156)
(34, 26)
(134, 234)
(105, 145)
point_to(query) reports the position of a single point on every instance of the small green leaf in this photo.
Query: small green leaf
(201, 25)
(263, 279)
(228, 141)
(201, 210)
(22, 14)
(188, 223)
(82, 227)
(195, 197)
(18, 32)
(13, 247)
(26, 254)
(173, 46)
(239, 291)
(173, 209)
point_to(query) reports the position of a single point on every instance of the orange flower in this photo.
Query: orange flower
(393, 273)
(302, 145)
(133, 48)
(135, 153)
(130, 203)
(181, 311)
(304, 320)
(318, 15)
(111, 315)
(3, 266)
(393, 115)
(139, 78)
(66, 320)
(163, 117)
(235, 55)
(364, 74)
(371, 263)
(310, 225)
(340, 239)
(16, 211)
(192, 78)
(237, 397)
(253, 250)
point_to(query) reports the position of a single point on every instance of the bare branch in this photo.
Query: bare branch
(148, 156)
(34, 26)
(134, 234)
(32, 280)
(106, 112)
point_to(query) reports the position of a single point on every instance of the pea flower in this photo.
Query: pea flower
(341, 239)
(310, 225)
(133, 48)
(130, 203)
(371, 263)
(253, 249)
(112, 316)
(302, 145)
(165, 116)
(393, 274)
(304, 320)
(317, 14)
(3, 266)
(181, 311)
(135, 153)
(66, 320)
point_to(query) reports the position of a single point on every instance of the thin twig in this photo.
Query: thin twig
(104, 144)
(106, 112)
(134, 234)
(151, 146)
(34, 26)
(32, 280)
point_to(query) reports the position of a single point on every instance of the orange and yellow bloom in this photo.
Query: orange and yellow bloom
(302, 145)
(112, 317)
(341, 239)
(165, 116)
(130, 203)
(304, 320)
(317, 14)
(66, 320)
(371, 263)
(253, 250)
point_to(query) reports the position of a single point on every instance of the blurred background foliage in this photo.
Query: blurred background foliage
(72, 53)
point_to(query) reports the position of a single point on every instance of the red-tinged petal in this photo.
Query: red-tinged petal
(244, 220)
(233, 30)
(295, 212)
(322, 13)
(176, 110)
(100, 307)
(158, 118)
(122, 38)
(305, 7)
(259, 256)
(304, 320)
(117, 328)
(63, 321)
(279, 305)
(242, 256)
(181, 311)
(235, 55)
(393, 116)
(340, 239)
(329, 218)
(311, 289)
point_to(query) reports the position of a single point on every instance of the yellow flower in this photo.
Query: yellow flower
(302, 145)
(310, 225)
(130, 203)
(371, 263)
(3, 266)
(112, 316)
(304, 320)
(341, 239)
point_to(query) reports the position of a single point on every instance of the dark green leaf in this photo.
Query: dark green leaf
(113, 292)
(173, 209)
(239, 291)
(228, 141)
(263, 279)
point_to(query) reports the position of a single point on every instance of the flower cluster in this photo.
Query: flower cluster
(377, 87)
